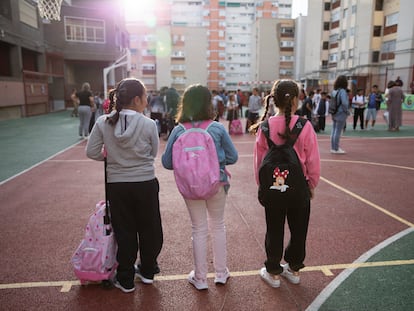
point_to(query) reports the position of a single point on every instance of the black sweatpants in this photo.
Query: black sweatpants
(359, 114)
(297, 215)
(136, 220)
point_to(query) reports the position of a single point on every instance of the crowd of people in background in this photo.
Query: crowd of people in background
(232, 105)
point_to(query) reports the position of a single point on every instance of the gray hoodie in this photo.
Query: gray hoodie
(131, 146)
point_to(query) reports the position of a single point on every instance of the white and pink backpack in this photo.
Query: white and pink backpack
(95, 257)
(195, 162)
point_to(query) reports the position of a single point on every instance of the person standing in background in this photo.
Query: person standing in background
(341, 98)
(322, 111)
(86, 105)
(75, 103)
(358, 103)
(374, 102)
(255, 105)
(395, 99)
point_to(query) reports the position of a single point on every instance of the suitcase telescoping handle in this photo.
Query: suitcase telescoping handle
(107, 219)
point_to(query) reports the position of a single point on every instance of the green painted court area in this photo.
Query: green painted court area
(366, 288)
(28, 141)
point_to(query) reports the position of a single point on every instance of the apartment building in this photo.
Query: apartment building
(371, 42)
(41, 61)
(221, 44)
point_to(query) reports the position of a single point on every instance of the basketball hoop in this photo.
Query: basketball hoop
(49, 9)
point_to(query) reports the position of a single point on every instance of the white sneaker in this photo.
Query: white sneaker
(339, 151)
(200, 285)
(292, 276)
(271, 279)
(221, 278)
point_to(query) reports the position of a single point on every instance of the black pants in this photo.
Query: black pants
(322, 122)
(136, 220)
(359, 113)
(297, 215)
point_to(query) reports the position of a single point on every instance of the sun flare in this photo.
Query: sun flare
(142, 10)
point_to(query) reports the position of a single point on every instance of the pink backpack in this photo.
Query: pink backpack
(195, 162)
(95, 257)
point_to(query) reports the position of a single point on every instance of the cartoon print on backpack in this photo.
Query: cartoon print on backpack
(281, 162)
(280, 179)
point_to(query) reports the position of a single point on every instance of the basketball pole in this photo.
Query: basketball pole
(124, 60)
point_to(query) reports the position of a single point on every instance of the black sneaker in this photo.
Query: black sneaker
(125, 289)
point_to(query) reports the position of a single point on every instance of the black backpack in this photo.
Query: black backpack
(334, 104)
(281, 178)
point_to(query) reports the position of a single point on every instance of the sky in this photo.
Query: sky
(299, 6)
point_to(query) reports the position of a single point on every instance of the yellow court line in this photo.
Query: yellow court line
(325, 269)
(358, 197)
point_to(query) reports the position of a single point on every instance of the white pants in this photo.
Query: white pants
(208, 216)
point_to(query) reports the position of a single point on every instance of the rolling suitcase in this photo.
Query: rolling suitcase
(95, 258)
(236, 127)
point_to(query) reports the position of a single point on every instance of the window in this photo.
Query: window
(5, 59)
(333, 38)
(343, 35)
(5, 9)
(327, 6)
(84, 30)
(375, 56)
(343, 55)
(326, 25)
(350, 53)
(325, 45)
(354, 9)
(288, 30)
(324, 64)
(287, 43)
(335, 16)
(28, 13)
(388, 46)
(379, 5)
(333, 58)
(391, 19)
(377, 31)
(286, 58)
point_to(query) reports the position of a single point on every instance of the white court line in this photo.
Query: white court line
(328, 290)
(39, 163)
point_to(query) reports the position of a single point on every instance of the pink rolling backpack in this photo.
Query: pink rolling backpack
(95, 258)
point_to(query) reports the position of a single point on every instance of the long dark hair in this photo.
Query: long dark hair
(283, 93)
(121, 96)
(341, 82)
(195, 104)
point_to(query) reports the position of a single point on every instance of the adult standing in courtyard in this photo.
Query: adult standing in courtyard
(255, 105)
(86, 104)
(340, 96)
(394, 102)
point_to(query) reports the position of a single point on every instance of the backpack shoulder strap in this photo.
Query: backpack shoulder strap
(296, 130)
(265, 130)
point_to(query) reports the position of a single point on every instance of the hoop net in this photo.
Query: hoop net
(49, 9)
